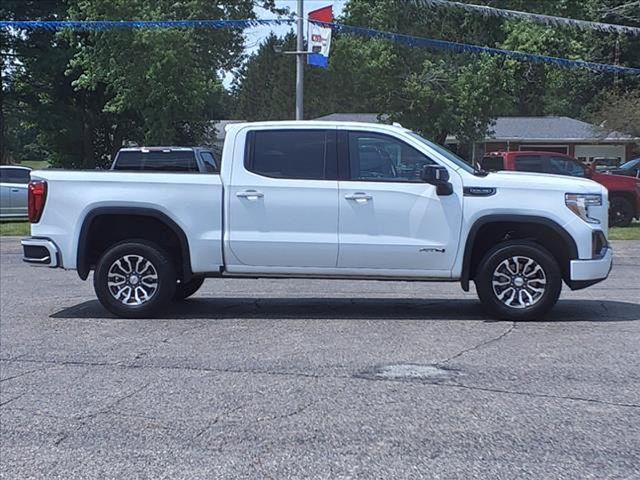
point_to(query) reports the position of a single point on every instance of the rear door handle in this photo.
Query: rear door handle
(359, 197)
(250, 194)
(15, 190)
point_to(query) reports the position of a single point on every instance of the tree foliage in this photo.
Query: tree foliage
(75, 97)
(85, 93)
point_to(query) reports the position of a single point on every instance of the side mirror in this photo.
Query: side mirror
(438, 176)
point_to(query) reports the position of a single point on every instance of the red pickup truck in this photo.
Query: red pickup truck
(624, 192)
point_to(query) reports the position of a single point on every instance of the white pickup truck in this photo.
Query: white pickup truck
(322, 200)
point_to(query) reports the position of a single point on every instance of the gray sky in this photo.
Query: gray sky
(254, 36)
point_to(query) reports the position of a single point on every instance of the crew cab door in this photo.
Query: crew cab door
(389, 218)
(283, 201)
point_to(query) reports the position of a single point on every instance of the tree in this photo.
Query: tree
(264, 87)
(618, 111)
(165, 79)
(85, 93)
(19, 50)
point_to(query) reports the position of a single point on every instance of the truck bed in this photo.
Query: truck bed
(192, 201)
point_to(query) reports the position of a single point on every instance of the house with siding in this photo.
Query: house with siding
(579, 139)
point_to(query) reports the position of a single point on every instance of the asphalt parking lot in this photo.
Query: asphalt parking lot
(317, 379)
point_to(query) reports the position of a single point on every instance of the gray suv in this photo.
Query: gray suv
(14, 181)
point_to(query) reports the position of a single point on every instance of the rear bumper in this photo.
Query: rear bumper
(40, 252)
(584, 273)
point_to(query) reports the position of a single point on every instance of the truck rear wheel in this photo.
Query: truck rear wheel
(620, 212)
(135, 279)
(518, 280)
(186, 289)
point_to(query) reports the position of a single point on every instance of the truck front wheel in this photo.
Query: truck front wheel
(518, 280)
(135, 279)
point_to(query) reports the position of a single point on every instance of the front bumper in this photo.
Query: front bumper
(584, 273)
(41, 252)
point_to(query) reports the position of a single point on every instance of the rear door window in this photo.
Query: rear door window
(530, 163)
(493, 163)
(294, 154)
(157, 161)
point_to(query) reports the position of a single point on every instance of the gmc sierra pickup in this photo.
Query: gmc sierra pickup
(322, 200)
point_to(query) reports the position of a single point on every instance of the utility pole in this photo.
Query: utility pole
(300, 57)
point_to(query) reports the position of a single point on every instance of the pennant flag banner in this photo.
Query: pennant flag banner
(319, 41)
(532, 17)
(323, 40)
(423, 42)
(140, 24)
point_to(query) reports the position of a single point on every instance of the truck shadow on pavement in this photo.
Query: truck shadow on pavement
(360, 309)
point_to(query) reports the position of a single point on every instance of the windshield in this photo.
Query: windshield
(631, 164)
(445, 153)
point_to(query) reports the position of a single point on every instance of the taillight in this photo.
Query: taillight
(36, 199)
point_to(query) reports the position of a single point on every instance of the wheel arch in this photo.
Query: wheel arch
(629, 197)
(568, 249)
(84, 254)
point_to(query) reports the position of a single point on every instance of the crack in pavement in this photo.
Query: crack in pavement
(481, 344)
(211, 423)
(108, 409)
(6, 379)
(537, 395)
(12, 399)
(351, 377)
(168, 339)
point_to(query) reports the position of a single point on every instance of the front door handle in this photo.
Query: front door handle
(359, 197)
(250, 195)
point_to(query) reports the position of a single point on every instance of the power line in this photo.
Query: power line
(548, 20)
(423, 42)
(409, 40)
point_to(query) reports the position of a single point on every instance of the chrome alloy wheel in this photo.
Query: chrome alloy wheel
(519, 282)
(132, 280)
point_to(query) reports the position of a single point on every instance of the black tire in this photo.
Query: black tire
(541, 286)
(143, 260)
(620, 212)
(186, 289)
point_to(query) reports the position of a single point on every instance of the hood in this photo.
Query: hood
(541, 181)
(620, 180)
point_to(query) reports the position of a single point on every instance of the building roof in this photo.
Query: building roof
(518, 129)
(551, 129)
(353, 117)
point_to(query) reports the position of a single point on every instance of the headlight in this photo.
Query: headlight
(579, 204)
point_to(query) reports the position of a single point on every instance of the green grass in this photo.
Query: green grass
(35, 164)
(18, 228)
(632, 232)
